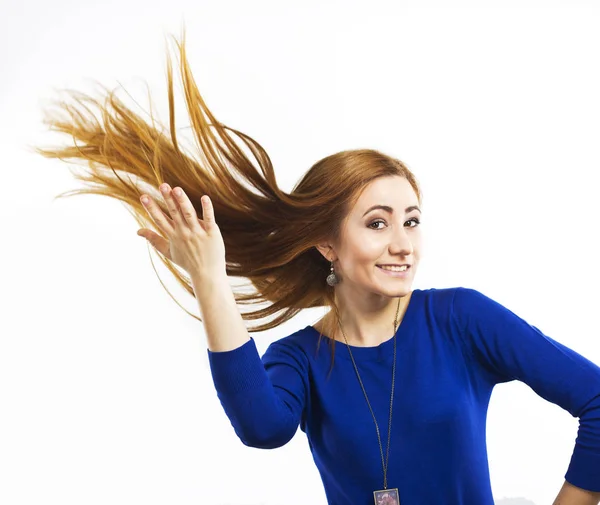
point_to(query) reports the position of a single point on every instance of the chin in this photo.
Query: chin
(403, 288)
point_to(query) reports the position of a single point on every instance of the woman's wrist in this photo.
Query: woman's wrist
(573, 495)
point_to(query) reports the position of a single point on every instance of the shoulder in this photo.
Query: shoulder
(439, 302)
(295, 346)
(470, 302)
(438, 295)
(457, 297)
(299, 339)
(457, 304)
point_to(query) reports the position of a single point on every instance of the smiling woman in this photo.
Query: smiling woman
(400, 414)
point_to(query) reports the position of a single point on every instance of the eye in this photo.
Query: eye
(417, 221)
(376, 222)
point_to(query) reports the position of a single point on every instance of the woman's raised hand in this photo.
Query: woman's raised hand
(196, 245)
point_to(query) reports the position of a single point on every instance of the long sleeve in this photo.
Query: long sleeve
(263, 399)
(509, 348)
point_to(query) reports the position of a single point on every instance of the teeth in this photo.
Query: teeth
(395, 269)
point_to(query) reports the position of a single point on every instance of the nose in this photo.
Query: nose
(401, 243)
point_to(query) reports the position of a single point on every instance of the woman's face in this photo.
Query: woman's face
(381, 236)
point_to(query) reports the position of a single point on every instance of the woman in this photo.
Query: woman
(394, 407)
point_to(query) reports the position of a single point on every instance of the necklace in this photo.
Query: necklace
(385, 495)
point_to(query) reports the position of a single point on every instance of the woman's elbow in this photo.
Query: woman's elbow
(267, 438)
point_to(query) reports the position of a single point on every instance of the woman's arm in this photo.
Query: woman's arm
(263, 402)
(263, 398)
(225, 329)
(572, 495)
(509, 348)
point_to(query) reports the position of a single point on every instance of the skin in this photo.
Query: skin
(366, 296)
(572, 495)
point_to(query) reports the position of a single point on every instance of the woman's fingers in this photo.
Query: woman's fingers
(159, 243)
(172, 205)
(208, 211)
(187, 209)
(183, 215)
(163, 221)
(195, 245)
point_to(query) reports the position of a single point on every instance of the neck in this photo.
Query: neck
(368, 328)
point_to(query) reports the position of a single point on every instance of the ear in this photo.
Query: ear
(327, 251)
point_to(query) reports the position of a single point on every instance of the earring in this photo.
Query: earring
(332, 279)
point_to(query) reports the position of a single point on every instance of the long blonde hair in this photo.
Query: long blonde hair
(269, 235)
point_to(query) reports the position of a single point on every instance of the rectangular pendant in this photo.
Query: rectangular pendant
(387, 497)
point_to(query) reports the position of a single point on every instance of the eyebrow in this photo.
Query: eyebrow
(389, 209)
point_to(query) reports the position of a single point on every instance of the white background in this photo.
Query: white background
(105, 391)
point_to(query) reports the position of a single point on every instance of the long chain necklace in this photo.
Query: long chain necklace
(392, 493)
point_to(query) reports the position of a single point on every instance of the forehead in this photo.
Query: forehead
(394, 191)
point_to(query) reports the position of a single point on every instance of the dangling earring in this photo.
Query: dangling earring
(332, 279)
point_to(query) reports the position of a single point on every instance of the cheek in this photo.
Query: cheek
(368, 251)
(360, 257)
(417, 242)
(366, 266)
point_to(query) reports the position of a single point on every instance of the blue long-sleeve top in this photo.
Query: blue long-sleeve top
(453, 346)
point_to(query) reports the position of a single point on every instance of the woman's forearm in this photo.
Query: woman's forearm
(223, 323)
(572, 495)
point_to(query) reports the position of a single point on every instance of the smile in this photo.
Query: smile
(395, 271)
